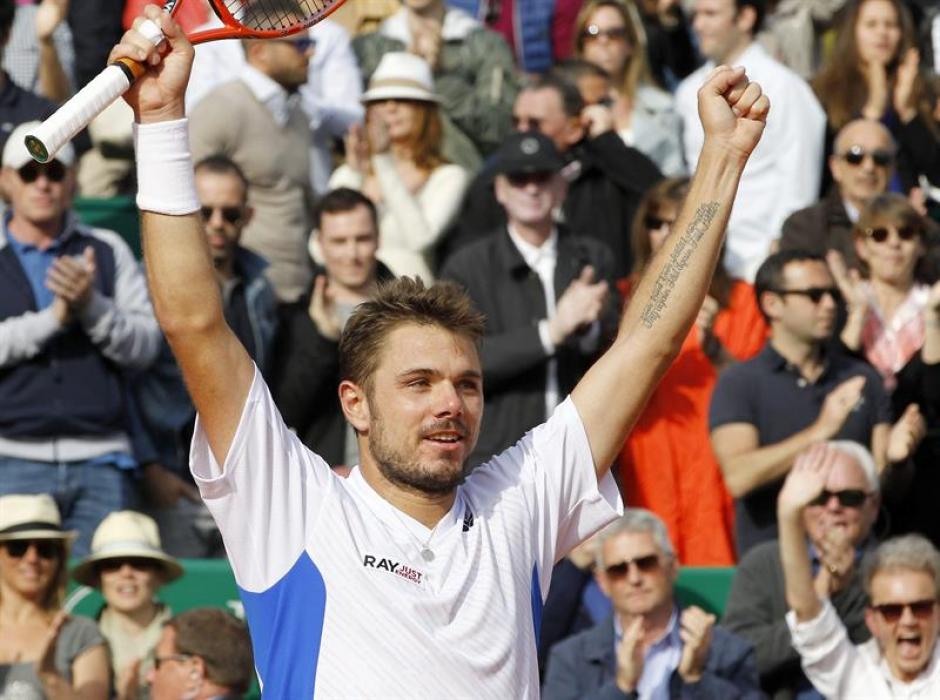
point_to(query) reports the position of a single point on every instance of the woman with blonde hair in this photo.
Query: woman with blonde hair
(609, 34)
(396, 162)
(43, 652)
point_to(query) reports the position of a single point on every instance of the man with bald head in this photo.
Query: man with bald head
(861, 164)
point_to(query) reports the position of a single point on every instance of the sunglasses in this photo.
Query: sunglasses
(231, 215)
(814, 294)
(891, 612)
(644, 565)
(592, 31)
(136, 563)
(654, 223)
(53, 170)
(856, 156)
(302, 45)
(45, 549)
(882, 233)
(524, 179)
(848, 498)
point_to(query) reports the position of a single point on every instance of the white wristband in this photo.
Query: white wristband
(165, 179)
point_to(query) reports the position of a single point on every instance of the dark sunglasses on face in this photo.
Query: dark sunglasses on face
(592, 31)
(45, 549)
(882, 233)
(523, 179)
(848, 498)
(892, 612)
(136, 563)
(53, 170)
(302, 45)
(643, 564)
(814, 294)
(231, 215)
(654, 223)
(856, 156)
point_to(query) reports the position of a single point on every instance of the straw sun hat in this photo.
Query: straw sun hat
(401, 76)
(126, 534)
(31, 517)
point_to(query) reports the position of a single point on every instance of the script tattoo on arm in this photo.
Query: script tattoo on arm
(678, 262)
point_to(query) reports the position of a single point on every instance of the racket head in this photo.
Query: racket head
(263, 19)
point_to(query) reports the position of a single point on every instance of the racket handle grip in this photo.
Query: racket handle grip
(88, 103)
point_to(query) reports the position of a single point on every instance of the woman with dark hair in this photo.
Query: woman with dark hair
(43, 652)
(667, 465)
(873, 72)
(609, 34)
(397, 163)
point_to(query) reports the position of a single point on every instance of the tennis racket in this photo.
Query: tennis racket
(241, 19)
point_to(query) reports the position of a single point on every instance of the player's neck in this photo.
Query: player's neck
(426, 508)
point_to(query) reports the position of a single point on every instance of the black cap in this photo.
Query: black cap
(527, 152)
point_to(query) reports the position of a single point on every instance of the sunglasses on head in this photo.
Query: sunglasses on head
(136, 563)
(848, 498)
(882, 233)
(45, 549)
(654, 223)
(592, 31)
(856, 156)
(53, 170)
(645, 564)
(814, 294)
(524, 179)
(892, 612)
(231, 215)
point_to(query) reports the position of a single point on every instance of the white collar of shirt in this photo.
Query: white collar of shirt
(268, 92)
(535, 256)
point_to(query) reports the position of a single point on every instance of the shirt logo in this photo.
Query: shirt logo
(393, 567)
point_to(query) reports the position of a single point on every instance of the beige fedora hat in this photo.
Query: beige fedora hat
(126, 534)
(31, 517)
(401, 76)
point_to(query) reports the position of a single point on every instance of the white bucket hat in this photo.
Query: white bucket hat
(122, 535)
(401, 76)
(31, 517)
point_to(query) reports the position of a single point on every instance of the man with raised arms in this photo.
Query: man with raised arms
(411, 578)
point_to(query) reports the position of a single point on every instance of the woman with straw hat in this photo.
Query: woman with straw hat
(43, 653)
(397, 163)
(128, 566)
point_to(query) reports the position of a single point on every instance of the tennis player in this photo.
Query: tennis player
(411, 578)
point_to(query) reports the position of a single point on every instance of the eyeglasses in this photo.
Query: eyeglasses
(891, 612)
(814, 294)
(136, 563)
(644, 564)
(160, 660)
(302, 45)
(856, 156)
(53, 170)
(592, 31)
(882, 233)
(45, 549)
(848, 498)
(654, 223)
(231, 215)
(524, 179)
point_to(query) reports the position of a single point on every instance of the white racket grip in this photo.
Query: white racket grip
(60, 128)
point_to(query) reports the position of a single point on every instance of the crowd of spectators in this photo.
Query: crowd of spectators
(537, 155)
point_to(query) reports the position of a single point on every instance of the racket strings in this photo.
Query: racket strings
(272, 15)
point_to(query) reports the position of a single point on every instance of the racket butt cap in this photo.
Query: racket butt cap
(37, 149)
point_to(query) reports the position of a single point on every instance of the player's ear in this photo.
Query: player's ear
(355, 403)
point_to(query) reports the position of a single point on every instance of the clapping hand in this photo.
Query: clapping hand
(695, 631)
(806, 479)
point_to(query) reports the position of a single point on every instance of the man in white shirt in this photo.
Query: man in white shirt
(410, 578)
(783, 173)
(902, 580)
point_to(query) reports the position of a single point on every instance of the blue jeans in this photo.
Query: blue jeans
(84, 491)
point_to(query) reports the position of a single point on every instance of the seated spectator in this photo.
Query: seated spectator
(796, 32)
(544, 290)
(397, 163)
(783, 173)
(164, 408)
(902, 581)
(796, 392)
(474, 73)
(75, 317)
(873, 72)
(609, 34)
(650, 648)
(838, 525)
(667, 464)
(43, 652)
(606, 178)
(669, 49)
(203, 654)
(128, 567)
(305, 384)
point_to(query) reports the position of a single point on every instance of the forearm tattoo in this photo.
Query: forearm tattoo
(678, 262)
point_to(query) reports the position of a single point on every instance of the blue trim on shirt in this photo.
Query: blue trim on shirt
(536, 601)
(286, 624)
(35, 263)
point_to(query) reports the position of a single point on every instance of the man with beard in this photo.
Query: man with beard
(409, 578)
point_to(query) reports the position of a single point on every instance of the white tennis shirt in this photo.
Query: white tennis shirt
(340, 601)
